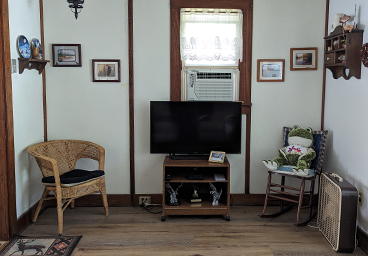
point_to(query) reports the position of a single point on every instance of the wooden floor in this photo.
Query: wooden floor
(134, 231)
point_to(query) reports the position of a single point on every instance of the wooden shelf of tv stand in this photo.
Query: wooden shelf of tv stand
(37, 64)
(179, 170)
(203, 208)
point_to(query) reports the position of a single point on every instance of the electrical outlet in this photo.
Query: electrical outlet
(14, 66)
(146, 199)
(360, 197)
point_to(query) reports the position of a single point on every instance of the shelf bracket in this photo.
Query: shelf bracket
(32, 64)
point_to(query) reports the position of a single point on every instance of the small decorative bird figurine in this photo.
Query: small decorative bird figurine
(344, 19)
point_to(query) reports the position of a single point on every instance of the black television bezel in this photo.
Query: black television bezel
(198, 153)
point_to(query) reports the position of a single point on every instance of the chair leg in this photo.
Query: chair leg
(267, 193)
(311, 199)
(300, 201)
(72, 203)
(44, 194)
(282, 195)
(59, 213)
(104, 197)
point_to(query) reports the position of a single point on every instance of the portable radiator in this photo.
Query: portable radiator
(337, 212)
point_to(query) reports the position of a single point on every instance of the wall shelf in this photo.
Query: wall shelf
(342, 54)
(25, 63)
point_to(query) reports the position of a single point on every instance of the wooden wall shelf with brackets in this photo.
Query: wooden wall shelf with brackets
(342, 54)
(25, 63)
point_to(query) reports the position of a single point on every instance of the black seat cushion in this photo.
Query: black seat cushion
(75, 176)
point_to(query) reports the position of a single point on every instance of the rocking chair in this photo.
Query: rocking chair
(295, 195)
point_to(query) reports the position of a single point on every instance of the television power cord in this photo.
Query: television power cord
(149, 207)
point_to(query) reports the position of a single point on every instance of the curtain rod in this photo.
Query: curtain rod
(210, 11)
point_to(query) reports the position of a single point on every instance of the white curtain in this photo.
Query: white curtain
(211, 36)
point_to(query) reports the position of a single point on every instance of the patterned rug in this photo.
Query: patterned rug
(29, 246)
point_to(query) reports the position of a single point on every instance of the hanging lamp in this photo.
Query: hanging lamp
(76, 6)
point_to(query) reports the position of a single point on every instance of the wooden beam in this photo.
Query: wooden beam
(43, 74)
(131, 100)
(175, 61)
(324, 69)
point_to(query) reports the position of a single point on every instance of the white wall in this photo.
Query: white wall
(75, 103)
(278, 26)
(24, 19)
(152, 82)
(151, 26)
(79, 108)
(346, 117)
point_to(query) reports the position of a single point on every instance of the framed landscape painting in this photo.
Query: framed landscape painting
(303, 58)
(66, 55)
(106, 70)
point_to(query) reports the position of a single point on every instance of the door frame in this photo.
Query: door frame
(8, 214)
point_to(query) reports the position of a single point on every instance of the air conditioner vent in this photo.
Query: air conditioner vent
(210, 85)
(206, 75)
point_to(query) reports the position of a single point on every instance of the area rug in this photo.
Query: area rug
(29, 246)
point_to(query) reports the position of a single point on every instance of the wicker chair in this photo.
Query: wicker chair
(57, 159)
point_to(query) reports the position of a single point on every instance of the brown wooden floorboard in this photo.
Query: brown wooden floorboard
(134, 231)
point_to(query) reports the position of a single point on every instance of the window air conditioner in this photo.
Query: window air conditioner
(210, 85)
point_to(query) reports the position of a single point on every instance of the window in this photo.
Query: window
(211, 37)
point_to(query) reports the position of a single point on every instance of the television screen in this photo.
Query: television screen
(181, 127)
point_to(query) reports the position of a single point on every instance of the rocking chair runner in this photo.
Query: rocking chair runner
(296, 195)
(57, 160)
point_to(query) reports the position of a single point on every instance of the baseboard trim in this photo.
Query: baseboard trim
(26, 218)
(247, 199)
(362, 238)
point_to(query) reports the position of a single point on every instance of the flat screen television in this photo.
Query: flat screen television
(195, 128)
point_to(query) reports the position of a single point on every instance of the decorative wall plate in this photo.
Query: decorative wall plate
(36, 49)
(364, 55)
(24, 49)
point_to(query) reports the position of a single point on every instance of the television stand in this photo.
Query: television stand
(189, 157)
(180, 171)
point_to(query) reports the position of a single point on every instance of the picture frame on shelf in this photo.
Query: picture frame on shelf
(217, 157)
(270, 70)
(303, 58)
(106, 70)
(66, 55)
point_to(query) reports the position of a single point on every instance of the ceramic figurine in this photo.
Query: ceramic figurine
(216, 195)
(173, 193)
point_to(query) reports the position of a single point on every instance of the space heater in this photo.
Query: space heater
(337, 212)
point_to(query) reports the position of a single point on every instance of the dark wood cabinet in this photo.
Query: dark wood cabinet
(179, 171)
(342, 54)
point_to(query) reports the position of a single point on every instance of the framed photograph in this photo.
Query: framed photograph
(66, 55)
(106, 70)
(303, 58)
(270, 70)
(217, 157)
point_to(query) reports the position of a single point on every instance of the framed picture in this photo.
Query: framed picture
(217, 157)
(270, 70)
(303, 58)
(66, 55)
(106, 70)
